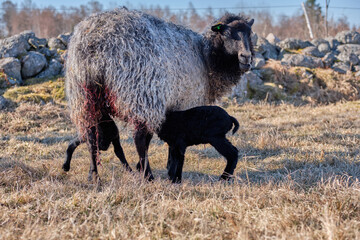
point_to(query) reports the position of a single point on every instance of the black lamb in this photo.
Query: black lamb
(199, 125)
(107, 133)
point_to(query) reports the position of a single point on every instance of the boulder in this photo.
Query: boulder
(52, 70)
(341, 67)
(317, 41)
(348, 58)
(55, 43)
(16, 45)
(32, 64)
(64, 38)
(324, 47)
(37, 42)
(292, 43)
(47, 52)
(333, 42)
(301, 60)
(350, 48)
(348, 37)
(11, 67)
(254, 38)
(248, 81)
(3, 103)
(312, 51)
(272, 39)
(329, 59)
(266, 49)
(258, 61)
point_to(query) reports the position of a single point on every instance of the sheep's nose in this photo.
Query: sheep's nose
(245, 58)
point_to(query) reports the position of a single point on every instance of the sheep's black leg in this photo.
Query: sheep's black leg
(69, 152)
(120, 153)
(142, 140)
(170, 160)
(177, 163)
(225, 148)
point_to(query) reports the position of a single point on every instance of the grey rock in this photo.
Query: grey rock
(348, 37)
(254, 38)
(357, 68)
(292, 43)
(312, 51)
(3, 103)
(37, 42)
(348, 57)
(12, 68)
(333, 42)
(329, 59)
(46, 52)
(301, 60)
(248, 80)
(16, 45)
(268, 50)
(32, 64)
(272, 39)
(52, 70)
(341, 67)
(64, 38)
(258, 61)
(357, 74)
(350, 48)
(324, 47)
(317, 41)
(55, 43)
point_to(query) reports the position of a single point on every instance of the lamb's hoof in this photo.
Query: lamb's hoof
(225, 177)
(175, 180)
(150, 178)
(66, 167)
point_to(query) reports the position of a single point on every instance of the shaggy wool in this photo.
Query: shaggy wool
(136, 67)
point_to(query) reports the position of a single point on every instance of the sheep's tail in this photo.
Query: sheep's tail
(236, 124)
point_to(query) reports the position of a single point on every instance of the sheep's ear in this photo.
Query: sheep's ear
(219, 27)
(251, 22)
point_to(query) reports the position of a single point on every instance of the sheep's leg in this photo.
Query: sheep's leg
(170, 160)
(225, 148)
(142, 140)
(176, 165)
(94, 152)
(120, 153)
(69, 152)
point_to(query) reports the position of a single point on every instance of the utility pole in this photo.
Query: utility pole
(307, 20)
(327, 2)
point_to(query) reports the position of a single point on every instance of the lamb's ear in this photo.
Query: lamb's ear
(219, 27)
(251, 22)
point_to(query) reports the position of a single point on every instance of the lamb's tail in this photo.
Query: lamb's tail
(236, 124)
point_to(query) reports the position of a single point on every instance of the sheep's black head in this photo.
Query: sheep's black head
(231, 36)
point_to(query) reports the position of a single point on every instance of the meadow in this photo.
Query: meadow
(297, 178)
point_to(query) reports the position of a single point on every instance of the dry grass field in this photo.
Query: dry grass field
(297, 178)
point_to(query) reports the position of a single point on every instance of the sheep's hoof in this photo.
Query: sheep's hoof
(66, 167)
(93, 176)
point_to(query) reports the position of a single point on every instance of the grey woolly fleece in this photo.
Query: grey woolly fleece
(144, 65)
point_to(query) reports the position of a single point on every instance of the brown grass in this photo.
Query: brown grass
(297, 178)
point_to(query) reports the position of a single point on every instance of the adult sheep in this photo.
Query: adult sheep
(136, 67)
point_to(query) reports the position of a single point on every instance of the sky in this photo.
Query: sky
(337, 8)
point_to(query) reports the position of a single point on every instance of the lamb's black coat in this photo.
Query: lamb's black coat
(199, 125)
(107, 133)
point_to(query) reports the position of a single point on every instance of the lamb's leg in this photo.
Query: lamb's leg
(142, 140)
(177, 163)
(120, 153)
(225, 148)
(69, 152)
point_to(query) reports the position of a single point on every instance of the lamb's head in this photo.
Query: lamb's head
(231, 38)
